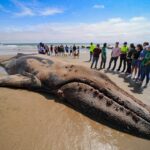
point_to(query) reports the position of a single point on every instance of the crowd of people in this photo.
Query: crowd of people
(134, 60)
(59, 50)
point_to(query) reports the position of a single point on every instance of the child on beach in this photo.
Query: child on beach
(96, 54)
(103, 56)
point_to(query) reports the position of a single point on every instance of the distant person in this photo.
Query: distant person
(51, 49)
(146, 68)
(74, 50)
(46, 49)
(59, 50)
(62, 51)
(56, 50)
(96, 54)
(135, 60)
(103, 56)
(78, 51)
(41, 48)
(114, 56)
(123, 55)
(92, 47)
(66, 50)
(71, 49)
(129, 59)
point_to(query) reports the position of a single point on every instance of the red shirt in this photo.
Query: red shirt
(96, 52)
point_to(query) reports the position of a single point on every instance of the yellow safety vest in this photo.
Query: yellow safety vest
(92, 47)
(124, 49)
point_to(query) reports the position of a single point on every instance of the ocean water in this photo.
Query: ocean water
(12, 49)
(27, 48)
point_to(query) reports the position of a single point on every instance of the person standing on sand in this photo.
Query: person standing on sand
(41, 48)
(92, 47)
(51, 49)
(103, 56)
(129, 59)
(56, 50)
(146, 68)
(74, 50)
(78, 51)
(66, 50)
(71, 50)
(141, 57)
(114, 56)
(62, 50)
(96, 54)
(135, 60)
(123, 55)
(46, 49)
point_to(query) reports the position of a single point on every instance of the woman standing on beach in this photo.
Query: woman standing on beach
(114, 56)
(103, 58)
(135, 60)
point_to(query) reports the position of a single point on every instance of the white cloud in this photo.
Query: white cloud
(138, 19)
(115, 20)
(50, 11)
(98, 6)
(114, 29)
(34, 11)
(25, 11)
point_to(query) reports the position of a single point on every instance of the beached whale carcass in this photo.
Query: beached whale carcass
(88, 91)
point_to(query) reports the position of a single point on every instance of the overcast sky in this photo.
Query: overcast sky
(74, 20)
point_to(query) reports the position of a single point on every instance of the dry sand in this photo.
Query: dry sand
(33, 121)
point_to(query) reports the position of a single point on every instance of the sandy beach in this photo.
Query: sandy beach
(36, 121)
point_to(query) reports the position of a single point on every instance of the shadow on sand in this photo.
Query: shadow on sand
(136, 88)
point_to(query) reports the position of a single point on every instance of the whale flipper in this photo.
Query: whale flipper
(20, 81)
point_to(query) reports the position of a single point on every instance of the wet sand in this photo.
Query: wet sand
(34, 121)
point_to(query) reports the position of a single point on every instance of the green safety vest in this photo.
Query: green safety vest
(92, 47)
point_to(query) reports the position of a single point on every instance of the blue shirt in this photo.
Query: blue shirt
(143, 53)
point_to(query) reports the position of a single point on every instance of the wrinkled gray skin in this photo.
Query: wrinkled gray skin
(85, 90)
